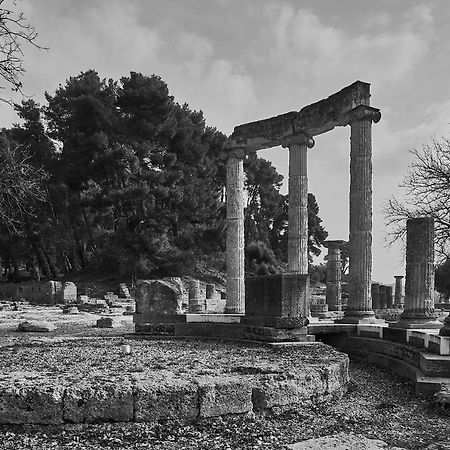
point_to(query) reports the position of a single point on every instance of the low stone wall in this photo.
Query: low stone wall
(32, 397)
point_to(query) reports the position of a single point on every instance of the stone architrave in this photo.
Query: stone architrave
(235, 231)
(419, 287)
(359, 307)
(398, 290)
(334, 276)
(298, 145)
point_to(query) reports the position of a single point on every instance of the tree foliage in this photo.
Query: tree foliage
(135, 185)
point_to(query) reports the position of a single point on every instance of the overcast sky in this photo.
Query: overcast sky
(245, 60)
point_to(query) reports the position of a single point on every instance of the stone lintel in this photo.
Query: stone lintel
(336, 244)
(313, 119)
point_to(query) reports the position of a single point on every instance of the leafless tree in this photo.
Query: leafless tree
(21, 185)
(427, 186)
(15, 31)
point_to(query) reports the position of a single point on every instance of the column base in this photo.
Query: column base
(417, 324)
(359, 317)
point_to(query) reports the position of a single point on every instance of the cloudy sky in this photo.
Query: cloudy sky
(244, 60)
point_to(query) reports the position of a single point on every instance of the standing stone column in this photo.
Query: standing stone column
(334, 276)
(375, 288)
(235, 232)
(419, 287)
(359, 307)
(398, 291)
(298, 145)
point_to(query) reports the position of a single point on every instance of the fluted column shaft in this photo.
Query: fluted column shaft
(360, 224)
(235, 232)
(298, 202)
(298, 209)
(398, 290)
(334, 276)
(419, 288)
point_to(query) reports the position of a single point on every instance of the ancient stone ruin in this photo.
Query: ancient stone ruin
(295, 131)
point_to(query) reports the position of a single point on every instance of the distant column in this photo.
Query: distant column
(398, 290)
(333, 295)
(375, 289)
(419, 288)
(235, 232)
(298, 145)
(359, 307)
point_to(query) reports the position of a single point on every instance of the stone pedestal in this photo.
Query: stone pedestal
(334, 276)
(419, 288)
(359, 308)
(279, 301)
(298, 202)
(398, 302)
(235, 232)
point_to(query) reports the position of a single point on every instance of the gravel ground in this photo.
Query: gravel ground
(379, 405)
(79, 358)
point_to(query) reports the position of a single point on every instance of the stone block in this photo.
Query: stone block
(36, 326)
(223, 395)
(284, 296)
(287, 389)
(104, 322)
(71, 310)
(158, 398)
(69, 292)
(30, 402)
(158, 298)
(99, 400)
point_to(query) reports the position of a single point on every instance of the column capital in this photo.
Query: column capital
(363, 112)
(399, 277)
(232, 149)
(297, 139)
(337, 244)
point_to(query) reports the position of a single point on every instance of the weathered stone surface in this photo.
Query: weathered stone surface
(235, 302)
(105, 322)
(30, 398)
(158, 297)
(157, 397)
(342, 441)
(36, 326)
(298, 202)
(375, 292)
(419, 289)
(224, 395)
(334, 276)
(284, 296)
(99, 400)
(359, 305)
(398, 290)
(313, 119)
(288, 389)
(69, 292)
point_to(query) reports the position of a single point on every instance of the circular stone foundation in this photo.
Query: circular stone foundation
(73, 380)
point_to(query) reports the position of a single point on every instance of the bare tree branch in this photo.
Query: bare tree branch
(427, 186)
(15, 32)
